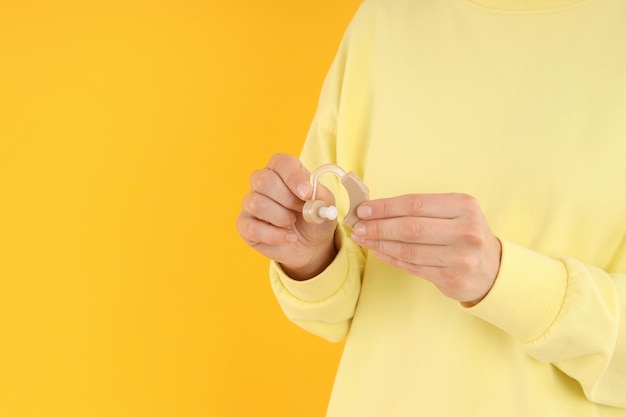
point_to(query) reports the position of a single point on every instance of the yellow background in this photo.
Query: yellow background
(128, 130)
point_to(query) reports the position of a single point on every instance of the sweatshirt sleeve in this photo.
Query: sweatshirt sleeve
(565, 313)
(323, 305)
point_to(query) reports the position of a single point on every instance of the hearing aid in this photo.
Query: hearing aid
(316, 211)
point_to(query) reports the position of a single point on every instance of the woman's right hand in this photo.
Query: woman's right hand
(271, 219)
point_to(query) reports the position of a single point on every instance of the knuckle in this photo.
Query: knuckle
(273, 238)
(468, 202)
(262, 180)
(262, 208)
(413, 230)
(247, 230)
(258, 232)
(284, 164)
(466, 263)
(378, 230)
(376, 246)
(289, 169)
(281, 163)
(473, 235)
(254, 204)
(277, 160)
(408, 252)
(416, 205)
(285, 218)
(252, 231)
(386, 208)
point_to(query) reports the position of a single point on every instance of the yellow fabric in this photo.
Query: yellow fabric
(527, 5)
(527, 113)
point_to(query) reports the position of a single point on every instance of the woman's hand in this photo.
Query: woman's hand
(271, 219)
(443, 238)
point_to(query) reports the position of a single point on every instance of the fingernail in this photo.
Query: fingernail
(302, 190)
(291, 238)
(364, 211)
(359, 229)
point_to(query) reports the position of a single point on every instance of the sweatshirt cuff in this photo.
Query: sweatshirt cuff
(528, 293)
(322, 286)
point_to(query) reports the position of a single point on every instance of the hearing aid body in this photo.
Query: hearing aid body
(316, 211)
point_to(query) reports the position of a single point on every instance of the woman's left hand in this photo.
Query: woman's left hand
(443, 238)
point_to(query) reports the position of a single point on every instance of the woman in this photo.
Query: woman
(487, 275)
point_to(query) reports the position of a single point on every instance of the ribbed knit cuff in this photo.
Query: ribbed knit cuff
(527, 295)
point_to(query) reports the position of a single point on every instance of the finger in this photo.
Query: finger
(431, 273)
(416, 254)
(424, 230)
(256, 232)
(265, 208)
(293, 174)
(444, 278)
(445, 206)
(268, 183)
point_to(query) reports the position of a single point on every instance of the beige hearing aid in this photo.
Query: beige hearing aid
(316, 211)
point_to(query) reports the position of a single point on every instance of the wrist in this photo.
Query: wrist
(321, 259)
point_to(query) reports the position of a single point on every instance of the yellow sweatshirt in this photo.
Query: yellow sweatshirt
(521, 104)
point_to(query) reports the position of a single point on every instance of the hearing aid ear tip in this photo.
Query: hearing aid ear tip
(329, 212)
